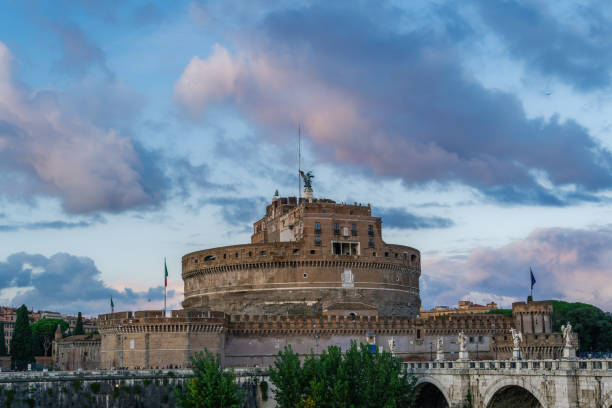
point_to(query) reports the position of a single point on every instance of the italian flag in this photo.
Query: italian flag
(112, 306)
(165, 274)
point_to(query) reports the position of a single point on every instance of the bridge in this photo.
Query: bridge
(516, 384)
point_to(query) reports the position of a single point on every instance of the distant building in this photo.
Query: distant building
(464, 307)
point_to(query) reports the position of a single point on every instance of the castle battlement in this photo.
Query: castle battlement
(306, 256)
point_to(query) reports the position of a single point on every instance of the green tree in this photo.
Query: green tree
(287, 375)
(211, 386)
(21, 342)
(43, 332)
(3, 351)
(594, 326)
(79, 326)
(359, 379)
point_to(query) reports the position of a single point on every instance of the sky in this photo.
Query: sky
(133, 132)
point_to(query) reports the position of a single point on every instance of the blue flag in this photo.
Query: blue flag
(533, 281)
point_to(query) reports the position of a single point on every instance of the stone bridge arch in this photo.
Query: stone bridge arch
(428, 380)
(505, 383)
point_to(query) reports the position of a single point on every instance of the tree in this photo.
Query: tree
(43, 332)
(594, 326)
(211, 386)
(359, 379)
(79, 326)
(21, 342)
(3, 351)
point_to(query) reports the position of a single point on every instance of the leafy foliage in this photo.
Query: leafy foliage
(79, 326)
(594, 326)
(43, 332)
(358, 379)
(21, 342)
(3, 350)
(211, 386)
(503, 312)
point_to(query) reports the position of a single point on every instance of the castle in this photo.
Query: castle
(316, 273)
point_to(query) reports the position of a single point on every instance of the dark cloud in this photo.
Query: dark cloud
(377, 91)
(55, 225)
(575, 48)
(65, 282)
(239, 211)
(147, 14)
(402, 219)
(569, 264)
(79, 52)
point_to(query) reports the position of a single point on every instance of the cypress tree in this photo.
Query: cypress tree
(79, 325)
(21, 343)
(3, 351)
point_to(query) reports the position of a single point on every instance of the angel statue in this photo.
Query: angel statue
(439, 344)
(517, 337)
(567, 334)
(307, 177)
(461, 339)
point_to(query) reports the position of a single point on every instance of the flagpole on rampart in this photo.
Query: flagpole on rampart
(165, 284)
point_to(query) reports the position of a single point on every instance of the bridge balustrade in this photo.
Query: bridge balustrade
(518, 365)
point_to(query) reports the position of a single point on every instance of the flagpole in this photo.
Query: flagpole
(165, 285)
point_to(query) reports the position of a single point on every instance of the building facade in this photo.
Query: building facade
(316, 273)
(306, 256)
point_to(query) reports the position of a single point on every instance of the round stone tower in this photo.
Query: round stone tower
(307, 256)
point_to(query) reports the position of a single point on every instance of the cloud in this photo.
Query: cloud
(402, 219)
(49, 148)
(64, 282)
(239, 211)
(569, 264)
(575, 47)
(79, 52)
(395, 100)
(42, 225)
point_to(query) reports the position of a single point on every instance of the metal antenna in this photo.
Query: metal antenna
(299, 161)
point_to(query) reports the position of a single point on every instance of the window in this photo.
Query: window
(337, 229)
(296, 251)
(224, 256)
(371, 243)
(250, 253)
(345, 248)
(413, 258)
(317, 240)
(236, 255)
(210, 258)
(323, 211)
(263, 253)
(132, 344)
(317, 227)
(305, 275)
(370, 230)
(418, 333)
(312, 252)
(386, 254)
(354, 229)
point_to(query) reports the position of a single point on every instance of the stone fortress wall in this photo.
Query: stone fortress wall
(303, 260)
(316, 274)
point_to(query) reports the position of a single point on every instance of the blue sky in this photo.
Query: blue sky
(133, 131)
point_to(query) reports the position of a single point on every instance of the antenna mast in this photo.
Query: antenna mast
(299, 161)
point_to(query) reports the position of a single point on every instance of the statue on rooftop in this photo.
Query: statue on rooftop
(307, 177)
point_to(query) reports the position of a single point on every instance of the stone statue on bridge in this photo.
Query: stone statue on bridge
(567, 334)
(569, 352)
(463, 353)
(517, 339)
(439, 349)
(392, 345)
